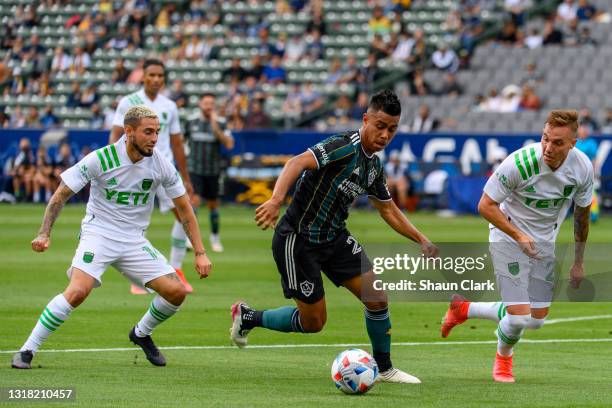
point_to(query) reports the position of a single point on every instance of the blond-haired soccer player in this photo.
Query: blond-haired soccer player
(124, 178)
(526, 201)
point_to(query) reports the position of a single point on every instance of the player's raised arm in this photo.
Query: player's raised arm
(60, 197)
(266, 214)
(192, 230)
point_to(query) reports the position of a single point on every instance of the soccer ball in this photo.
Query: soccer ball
(354, 371)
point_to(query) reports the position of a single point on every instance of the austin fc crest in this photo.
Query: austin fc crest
(306, 288)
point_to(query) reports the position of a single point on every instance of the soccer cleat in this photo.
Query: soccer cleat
(393, 375)
(151, 351)
(502, 369)
(215, 243)
(183, 279)
(457, 313)
(23, 359)
(137, 290)
(237, 333)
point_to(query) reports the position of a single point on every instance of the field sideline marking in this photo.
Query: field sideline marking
(315, 345)
(577, 319)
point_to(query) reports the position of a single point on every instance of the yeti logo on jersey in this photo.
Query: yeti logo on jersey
(567, 190)
(146, 184)
(371, 176)
(513, 268)
(127, 197)
(356, 248)
(88, 257)
(306, 288)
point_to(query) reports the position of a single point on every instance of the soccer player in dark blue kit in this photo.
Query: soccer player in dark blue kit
(312, 237)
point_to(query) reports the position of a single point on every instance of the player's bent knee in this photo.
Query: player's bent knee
(519, 322)
(373, 306)
(313, 324)
(75, 295)
(535, 324)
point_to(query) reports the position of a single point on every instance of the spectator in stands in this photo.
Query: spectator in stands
(6, 78)
(257, 118)
(49, 119)
(551, 34)
(588, 121)
(292, 106)
(529, 99)
(32, 119)
(533, 39)
(310, 99)
(508, 34)
(379, 47)
(445, 59)
(418, 57)
(89, 97)
(257, 67)
(63, 160)
(403, 49)
(31, 19)
(607, 125)
(379, 23)
(280, 45)
(370, 71)
(334, 75)
(567, 11)
(317, 23)
(295, 48)
(453, 22)
(61, 61)
(177, 93)
(510, 99)
(212, 47)
(314, 46)
(350, 69)
(81, 61)
(194, 49)
(37, 53)
(120, 73)
(4, 119)
(418, 85)
(585, 143)
(97, 117)
(423, 122)
(397, 181)
(586, 11)
(517, 8)
(137, 73)
(109, 114)
(532, 76)
(342, 106)
(274, 73)
(235, 121)
(17, 118)
(398, 5)
(450, 87)
(92, 43)
(493, 101)
(23, 170)
(42, 176)
(585, 38)
(360, 107)
(120, 40)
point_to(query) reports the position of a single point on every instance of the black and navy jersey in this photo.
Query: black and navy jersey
(323, 196)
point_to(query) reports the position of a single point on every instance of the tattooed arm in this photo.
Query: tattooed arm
(192, 230)
(582, 216)
(60, 197)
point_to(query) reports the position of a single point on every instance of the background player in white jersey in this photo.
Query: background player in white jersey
(170, 145)
(124, 178)
(526, 201)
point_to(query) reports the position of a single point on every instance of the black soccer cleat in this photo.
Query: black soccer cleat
(23, 359)
(151, 351)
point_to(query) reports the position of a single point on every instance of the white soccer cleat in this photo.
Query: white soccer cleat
(215, 243)
(237, 333)
(393, 375)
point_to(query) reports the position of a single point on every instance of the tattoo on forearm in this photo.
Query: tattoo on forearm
(581, 230)
(186, 227)
(54, 208)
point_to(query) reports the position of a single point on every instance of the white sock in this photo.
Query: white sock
(509, 332)
(36, 197)
(535, 324)
(487, 310)
(56, 312)
(178, 249)
(159, 311)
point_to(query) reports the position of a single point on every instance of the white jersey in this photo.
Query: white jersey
(166, 111)
(536, 198)
(122, 193)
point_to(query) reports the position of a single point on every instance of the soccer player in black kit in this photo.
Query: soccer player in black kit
(312, 237)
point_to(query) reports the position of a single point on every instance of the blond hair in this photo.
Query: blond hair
(563, 118)
(136, 113)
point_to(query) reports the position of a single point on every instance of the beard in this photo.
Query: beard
(142, 151)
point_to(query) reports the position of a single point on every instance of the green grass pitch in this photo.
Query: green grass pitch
(212, 374)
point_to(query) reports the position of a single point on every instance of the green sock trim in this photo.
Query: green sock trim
(179, 243)
(501, 312)
(54, 317)
(47, 325)
(505, 338)
(157, 314)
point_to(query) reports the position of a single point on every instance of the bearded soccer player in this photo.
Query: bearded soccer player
(312, 237)
(526, 201)
(170, 145)
(124, 177)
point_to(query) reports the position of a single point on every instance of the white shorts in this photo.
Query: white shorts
(138, 261)
(521, 279)
(165, 203)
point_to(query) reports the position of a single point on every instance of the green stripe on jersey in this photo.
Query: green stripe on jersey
(108, 158)
(536, 168)
(526, 161)
(101, 160)
(115, 156)
(517, 160)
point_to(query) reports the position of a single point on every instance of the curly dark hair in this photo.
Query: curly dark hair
(386, 101)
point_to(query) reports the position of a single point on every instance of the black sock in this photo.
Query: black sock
(252, 318)
(383, 360)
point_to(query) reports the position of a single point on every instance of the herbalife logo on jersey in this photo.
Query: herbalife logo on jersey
(146, 184)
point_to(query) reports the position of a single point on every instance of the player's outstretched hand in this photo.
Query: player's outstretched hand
(528, 246)
(41, 243)
(202, 265)
(429, 249)
(576, 275)
(266, 214)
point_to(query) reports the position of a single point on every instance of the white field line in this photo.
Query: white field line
(337, 345)
(577, 319)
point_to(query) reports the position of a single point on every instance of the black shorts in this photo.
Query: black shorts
(206, 187)
(300, 262)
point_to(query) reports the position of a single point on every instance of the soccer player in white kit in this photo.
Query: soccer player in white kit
(124, 177)
(526, 201)
(170, 145)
